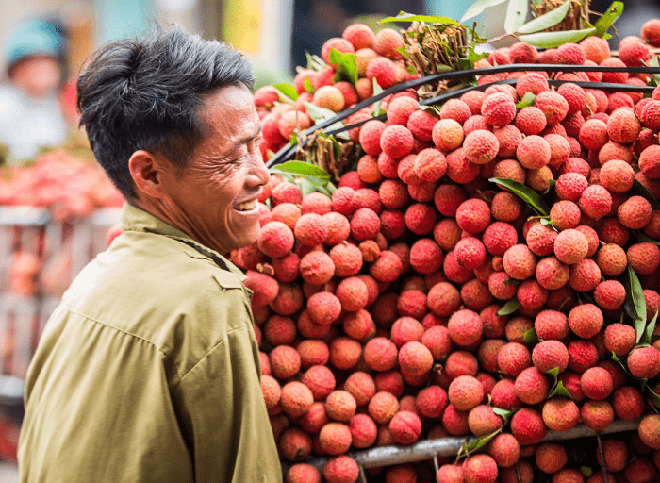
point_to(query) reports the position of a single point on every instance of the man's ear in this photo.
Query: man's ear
(146, 171)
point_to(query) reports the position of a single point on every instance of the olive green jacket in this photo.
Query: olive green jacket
(149, 370)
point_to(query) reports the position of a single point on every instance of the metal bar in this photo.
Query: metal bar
(431, 449)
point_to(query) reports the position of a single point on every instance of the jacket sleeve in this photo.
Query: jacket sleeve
(223, 415)
(100, 415)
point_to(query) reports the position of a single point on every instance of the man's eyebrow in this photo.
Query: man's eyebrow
(250, 138)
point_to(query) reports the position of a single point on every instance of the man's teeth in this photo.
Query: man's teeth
(250, 205)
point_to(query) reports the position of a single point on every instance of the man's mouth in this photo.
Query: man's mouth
(247, 206)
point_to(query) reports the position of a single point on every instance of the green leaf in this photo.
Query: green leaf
(505, 413)
(639, 189)
(516, 14)
(648, 333)
(314, 62)
(512, 281)
(554, 373)
(586, 471)
(472, 446)
(479, 6)
(287, 93)
(559, 391)
(294, 139)
(616, 359)
(306, 187)
(376, 89)
(302, 168)
(635, 304)
(548, 19)
(643, 238)
(529, 196)
(527, 100)
(308, 85)
(655, 398)
(319, 114)
(655, 78)
(530, 336)
(346, 66)
(545, 221)
(608, 18)
(555, 39)
(411, 17)
(510, 307)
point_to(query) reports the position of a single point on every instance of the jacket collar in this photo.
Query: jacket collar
(137, 219)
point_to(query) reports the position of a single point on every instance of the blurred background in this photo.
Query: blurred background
(55, 203)
(274, 33)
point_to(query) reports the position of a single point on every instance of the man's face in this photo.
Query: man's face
(38, 76)
(214, 198)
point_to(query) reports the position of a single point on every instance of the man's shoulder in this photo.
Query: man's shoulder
(154, 287)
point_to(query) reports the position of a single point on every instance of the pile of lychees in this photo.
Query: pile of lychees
(402, 307)
(378, 58)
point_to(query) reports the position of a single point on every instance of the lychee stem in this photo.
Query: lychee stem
(602, 456)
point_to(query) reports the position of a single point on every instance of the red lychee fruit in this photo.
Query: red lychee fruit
(527, 426)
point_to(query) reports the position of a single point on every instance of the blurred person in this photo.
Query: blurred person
(149, 368)
(30, 112)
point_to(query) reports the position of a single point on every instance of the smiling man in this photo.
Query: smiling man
(149, 370)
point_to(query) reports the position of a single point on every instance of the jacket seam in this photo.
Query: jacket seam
(135, 336)
(203, 359)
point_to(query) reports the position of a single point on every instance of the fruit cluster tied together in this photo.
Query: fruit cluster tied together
(423, 300)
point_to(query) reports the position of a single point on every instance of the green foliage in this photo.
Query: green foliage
(510, 307)
(558, 389)
(287, 93)
(346, 66)
(530, 336)
(528, 195)
(635, 304)
(610, 16)
(547, 20)
(411, 17)
(479, 6)
(527, 100)
(555, 39)
(309, 176)
(516, 14)
(639, 189)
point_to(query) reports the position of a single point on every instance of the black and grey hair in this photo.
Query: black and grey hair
(148, 93)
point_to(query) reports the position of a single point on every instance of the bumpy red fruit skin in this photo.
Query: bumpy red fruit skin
(550, 354)
(644, 362)
(553, 105)
(396, 141)
(597, 415)
(513, 358)
(481, 146)
(405, 427)
(498, 109)
(480, 469)
(532, 386)
(527, 426)
(649, 430)
(370, 135)
(534, 152)
(465, 392)
(341, 470)
(465, 327)
(275, 239)
(473, 215)
(596, 383)
(560, 414)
